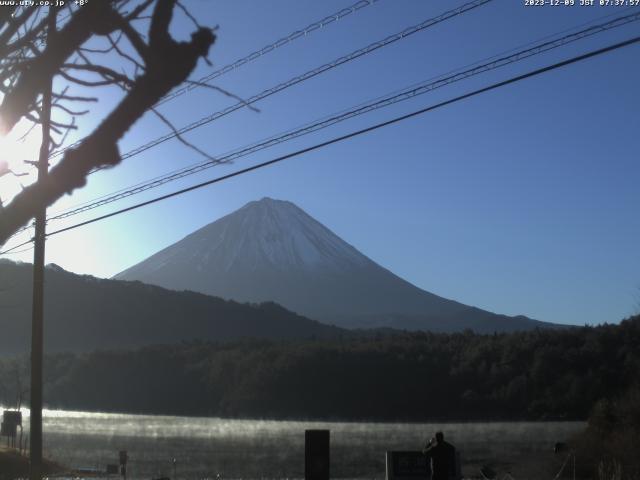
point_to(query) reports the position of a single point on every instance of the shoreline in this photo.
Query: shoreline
(74, 413)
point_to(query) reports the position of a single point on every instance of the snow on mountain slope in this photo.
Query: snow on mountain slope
(262, 234)
(271, 250)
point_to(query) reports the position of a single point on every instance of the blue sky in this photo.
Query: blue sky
(519, 201)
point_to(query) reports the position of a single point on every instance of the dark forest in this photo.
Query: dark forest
(537, 375)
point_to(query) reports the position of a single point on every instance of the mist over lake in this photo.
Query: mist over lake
(236, 448)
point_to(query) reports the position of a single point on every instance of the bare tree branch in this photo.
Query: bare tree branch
(73, 113)
(167, 63)
(136, 40)
(135, 14)
(180, 138)
(14, 25)
(188, 14)
(224, 92)
(73, 98)
(93, 18)
(114, 46)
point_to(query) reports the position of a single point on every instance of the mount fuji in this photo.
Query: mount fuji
(271, 250)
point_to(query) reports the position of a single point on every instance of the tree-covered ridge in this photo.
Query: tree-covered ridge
(85, 313)
(540, 374)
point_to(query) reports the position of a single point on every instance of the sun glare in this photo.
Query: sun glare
(14, 172)
(15, 151)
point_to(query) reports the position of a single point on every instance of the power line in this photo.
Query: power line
(313, 73)
(24, 250)
(405, 94)
(269, 48)
(300, 78)
(12, 249)
(356, 133)
(293, 36)
(207, 164)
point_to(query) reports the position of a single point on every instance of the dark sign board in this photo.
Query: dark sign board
(316, 454)
(12, 417)
(407, 464)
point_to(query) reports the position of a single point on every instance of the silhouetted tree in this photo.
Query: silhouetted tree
(156, 63)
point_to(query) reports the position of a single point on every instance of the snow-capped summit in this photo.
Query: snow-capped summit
(264, 234)
(277, 233)
(271, 250)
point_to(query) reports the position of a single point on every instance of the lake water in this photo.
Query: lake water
(207, 447)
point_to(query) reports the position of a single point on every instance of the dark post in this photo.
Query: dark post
(316, 454)
(37, 324)
(124, 457)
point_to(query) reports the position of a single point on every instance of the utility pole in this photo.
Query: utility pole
(37, 324)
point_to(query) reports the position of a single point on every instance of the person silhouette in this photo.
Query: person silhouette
(443, 458)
